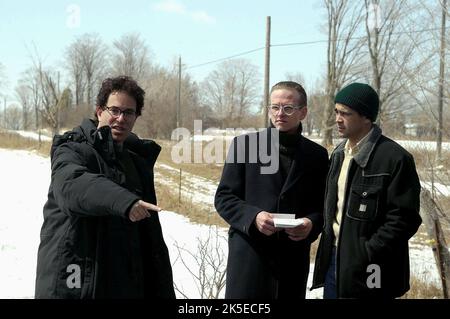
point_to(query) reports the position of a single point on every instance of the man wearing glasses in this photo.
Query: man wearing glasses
(101, 236)
(267, 260)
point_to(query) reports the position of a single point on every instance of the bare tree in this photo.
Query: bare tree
(160, 103)
(343, 55)
(206, 265)
(25, 97)
(13, 117)
(2, 84)
(131, 57)
(50, 101)
(2, 77)
(49, 98)
(424, 81)
(231, 90)
(30, 79)
(160, 99)
(441, 83)
(296, 77)
(87, 60)
(74, 61)
(316, 100)
(309, 120)
(390, 54)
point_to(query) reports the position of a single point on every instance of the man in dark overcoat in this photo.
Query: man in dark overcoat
(274, 171)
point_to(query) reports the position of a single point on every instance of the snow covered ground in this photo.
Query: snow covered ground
(440, 189)
(209, 135)
(25, 180)
(200, 189)
(32, 135)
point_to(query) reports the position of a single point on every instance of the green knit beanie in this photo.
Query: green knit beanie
(361, 98)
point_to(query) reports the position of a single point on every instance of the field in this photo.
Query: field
(191, 194)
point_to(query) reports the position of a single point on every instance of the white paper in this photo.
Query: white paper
(284, 216)
(286, 220)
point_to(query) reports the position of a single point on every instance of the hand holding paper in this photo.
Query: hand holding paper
(286, 220)
(295, 232)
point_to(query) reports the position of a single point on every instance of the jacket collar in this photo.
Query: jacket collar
(297, 167)
(362, 157)
(101, 139)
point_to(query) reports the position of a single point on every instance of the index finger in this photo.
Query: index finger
(149, 206)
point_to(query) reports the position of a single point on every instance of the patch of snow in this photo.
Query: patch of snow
(25, 182)
(201, 190)
(32, 135)
(440, 189)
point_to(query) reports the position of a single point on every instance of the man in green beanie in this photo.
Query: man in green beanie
(371, 206)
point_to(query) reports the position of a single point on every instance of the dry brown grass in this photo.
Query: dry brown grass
(168, 199)
(314, 247)
(425, 158)
(423, 289)
(430, 170)
(15, 141)
(444, 204)
(209, 171)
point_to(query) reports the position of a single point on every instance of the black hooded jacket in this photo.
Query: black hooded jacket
(89, 248)
(381, 213)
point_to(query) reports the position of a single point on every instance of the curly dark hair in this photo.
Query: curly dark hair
(291, 85)
(125, 84)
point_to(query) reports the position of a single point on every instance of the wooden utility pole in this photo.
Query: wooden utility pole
(58, 106)
(4, 111)
(266, 72)
(431, 217)
(441, 85)
(179, 93)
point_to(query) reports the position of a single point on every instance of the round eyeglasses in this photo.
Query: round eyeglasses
(114, 111)
(287, 109)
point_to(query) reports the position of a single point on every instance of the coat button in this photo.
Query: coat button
(364, 194)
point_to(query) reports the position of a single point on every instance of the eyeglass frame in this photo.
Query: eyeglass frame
(283, 108)
(127, 113)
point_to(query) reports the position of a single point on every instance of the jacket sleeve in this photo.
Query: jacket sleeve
(230, 196)
(402, 218)
(78, 191)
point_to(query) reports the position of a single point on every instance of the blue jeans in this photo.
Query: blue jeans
(329, 289)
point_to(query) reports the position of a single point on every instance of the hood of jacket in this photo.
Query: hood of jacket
(101, 139)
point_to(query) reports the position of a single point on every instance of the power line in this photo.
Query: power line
(227, 58)
(302, 43)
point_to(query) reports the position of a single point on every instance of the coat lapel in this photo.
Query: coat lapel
(297, 168)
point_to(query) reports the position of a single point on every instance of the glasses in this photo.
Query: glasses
(288, 109)
(116, 112)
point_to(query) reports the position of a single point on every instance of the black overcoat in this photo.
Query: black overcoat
(261, 266)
